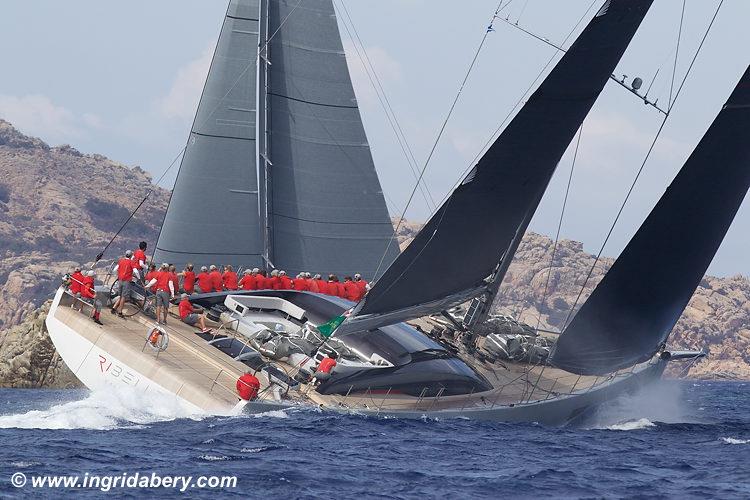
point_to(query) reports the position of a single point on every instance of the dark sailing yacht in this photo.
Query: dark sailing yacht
(264, 164)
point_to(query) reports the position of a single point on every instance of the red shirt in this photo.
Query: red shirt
(175, 281)
(217, 283)
(351, 291)
(125, 269)
(138, 256)
(285, 283)
(151, 275)
(322, 286)
(267, 283)
(312, 285)
(188, 281)
(340, 290)
(362, 286)
(300, 284)
(162, 280)
(326, 365)
(185, 308)
(87, 289)
(248, 282)
(230, 280)
(204, 281)
(275, 283)
(75, 282)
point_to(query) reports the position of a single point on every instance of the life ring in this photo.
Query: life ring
(158, 339)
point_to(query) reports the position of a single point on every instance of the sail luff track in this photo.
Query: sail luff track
(463, 243)
(630, 314)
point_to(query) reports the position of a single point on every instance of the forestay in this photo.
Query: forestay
(459, 249)
(635, 306)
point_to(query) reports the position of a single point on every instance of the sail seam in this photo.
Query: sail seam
(243, 18)
(205, 253)
(223, 136)
(332, 222)
(313, 103)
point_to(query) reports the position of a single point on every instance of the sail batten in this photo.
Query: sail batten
(462, 244)
(634, 308)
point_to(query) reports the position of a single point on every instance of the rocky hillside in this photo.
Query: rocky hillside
(59, 207)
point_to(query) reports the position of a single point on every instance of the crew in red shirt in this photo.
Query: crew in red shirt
(229, 278)
(76, 279)
(325, 368)
(124, 276)
(150, 275)
(261, 281)
(248, 280)
(204, 281)
(284, 282)
(275, 281)
(88, 292)
(321, 284)
(174, 278)
(299, 283)
(335, 287)
(139, 259)
(217, 282)
(189, 316)
(188, 279)
(311, 284)
(351, 290)
(361, 285)
(164, 292)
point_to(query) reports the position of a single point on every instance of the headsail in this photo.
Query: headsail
(218, 173)
(460, 247)
(327, 212)
(635, 306)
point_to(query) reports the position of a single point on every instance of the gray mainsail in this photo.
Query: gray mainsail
(326, 209)
(455, 255)
(278, 170)
(635, 306)
(218, 174)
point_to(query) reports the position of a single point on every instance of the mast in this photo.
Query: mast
(265, 193)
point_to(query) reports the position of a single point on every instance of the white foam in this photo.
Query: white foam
(632, 425)
(272, 414)
(735, 441)
(213, 458)
(24, 465)
(103, 410)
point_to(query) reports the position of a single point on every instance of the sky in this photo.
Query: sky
(123, 79)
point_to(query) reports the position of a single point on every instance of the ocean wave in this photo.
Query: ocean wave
(632, 425)
(272, 414)
(729, 440)
(24, 465)
(103, 410)
(214, 458)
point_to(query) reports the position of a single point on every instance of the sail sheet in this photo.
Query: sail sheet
(635, 306)
(213, 214)
(459, 248)
(327, 212)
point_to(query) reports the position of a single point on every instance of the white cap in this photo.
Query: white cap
(317, 277)
(204, 268)
(129, 253)
(274, 273)
(165, 265)
(357, 276)
(308, 275)
(77, 268)
(213, 268)
(256, 270)
(247, 271)
(90, 273)
(184, 295)
(282, 273)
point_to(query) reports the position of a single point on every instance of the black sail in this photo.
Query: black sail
(635, 306)
(218, 174)
(327, 212)
(459, 248)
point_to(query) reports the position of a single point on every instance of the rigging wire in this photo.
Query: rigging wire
(559, 225)
(385, 103)
(488, 30)
(648, 155)
(184, 148)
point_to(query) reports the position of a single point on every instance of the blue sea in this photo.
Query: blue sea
(679, 439)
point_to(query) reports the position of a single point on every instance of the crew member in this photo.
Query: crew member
(248, 280)
(204, 281)
(164, 292)
(248, 386)
(88, 294)
(174, 278)
(325, 368)
(188, 279)
(321, 284)
(229, 278)
(76, 280)
(189, 316)
(362, 285)
(139, 260)
(299, 283)
(150, 275)
(217, 283)
(284, 282)
(335, 287)
(275, 281)
(351, 290)
(261, 281)
(312, 285)
(124, 270)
